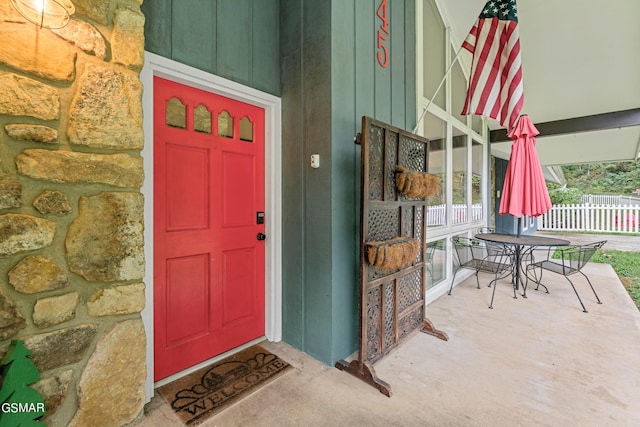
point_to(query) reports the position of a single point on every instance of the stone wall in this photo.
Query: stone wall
(71, 211)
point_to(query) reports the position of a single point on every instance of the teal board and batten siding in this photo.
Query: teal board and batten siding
(234, 39)
(330, 79)
(320, 57)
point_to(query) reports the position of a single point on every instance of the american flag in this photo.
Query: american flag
(495, 84)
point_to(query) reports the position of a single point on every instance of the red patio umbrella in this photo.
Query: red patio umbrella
(524, 191)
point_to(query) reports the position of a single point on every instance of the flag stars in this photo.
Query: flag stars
(501, 9)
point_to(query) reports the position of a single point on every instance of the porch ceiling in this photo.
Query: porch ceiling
(579, 58)
(609, 145)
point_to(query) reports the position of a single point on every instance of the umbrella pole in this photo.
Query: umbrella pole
(518, 259)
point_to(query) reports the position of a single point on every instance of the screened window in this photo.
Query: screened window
(434, 53)
(436, 262)
(437, 135)
(458, 91)
(477, 180)
(458, 151)
(459, 178)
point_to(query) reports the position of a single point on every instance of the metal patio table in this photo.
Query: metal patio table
(523, 246)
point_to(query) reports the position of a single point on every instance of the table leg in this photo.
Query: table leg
(517, 269)
(521, 254)
(528, 254)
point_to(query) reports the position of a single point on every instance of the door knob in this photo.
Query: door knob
(261, 236)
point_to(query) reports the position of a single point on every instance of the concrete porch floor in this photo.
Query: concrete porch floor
(538, 361)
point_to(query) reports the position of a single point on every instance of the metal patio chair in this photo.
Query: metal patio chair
(572, 260)
(474, 254)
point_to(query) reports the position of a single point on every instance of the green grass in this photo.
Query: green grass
(627, 266)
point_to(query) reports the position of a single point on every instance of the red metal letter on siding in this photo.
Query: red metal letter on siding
(383, 32)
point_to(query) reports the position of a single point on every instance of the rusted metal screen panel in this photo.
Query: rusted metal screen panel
(394, 299)
(392, 305)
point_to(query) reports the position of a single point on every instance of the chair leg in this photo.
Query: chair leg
(493, 294)
(453, 281)
(526, 274)
(494, 282)
(539, 282)
(576, 292)
(594, 291)
(546, 290)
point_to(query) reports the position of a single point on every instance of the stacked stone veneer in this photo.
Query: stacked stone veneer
(71, 211)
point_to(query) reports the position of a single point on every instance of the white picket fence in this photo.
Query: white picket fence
(609, 199)
(437, 214)
(593, 218)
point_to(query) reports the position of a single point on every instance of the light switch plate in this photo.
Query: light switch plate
(315, 161)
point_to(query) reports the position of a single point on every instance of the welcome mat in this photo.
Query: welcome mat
(209, 390)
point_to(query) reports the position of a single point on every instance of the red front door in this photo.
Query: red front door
(208, 192)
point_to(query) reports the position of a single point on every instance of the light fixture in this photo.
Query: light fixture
(45, 13)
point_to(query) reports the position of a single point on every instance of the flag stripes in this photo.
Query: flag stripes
(495, 84)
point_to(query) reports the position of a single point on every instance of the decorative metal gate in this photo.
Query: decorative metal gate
(393, 233)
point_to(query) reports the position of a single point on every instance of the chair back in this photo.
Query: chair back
(486, 230)
(577, 257)
(467, 249)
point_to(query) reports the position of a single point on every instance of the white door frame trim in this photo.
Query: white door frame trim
(155, 65)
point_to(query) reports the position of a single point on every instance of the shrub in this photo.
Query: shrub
(566, 196)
